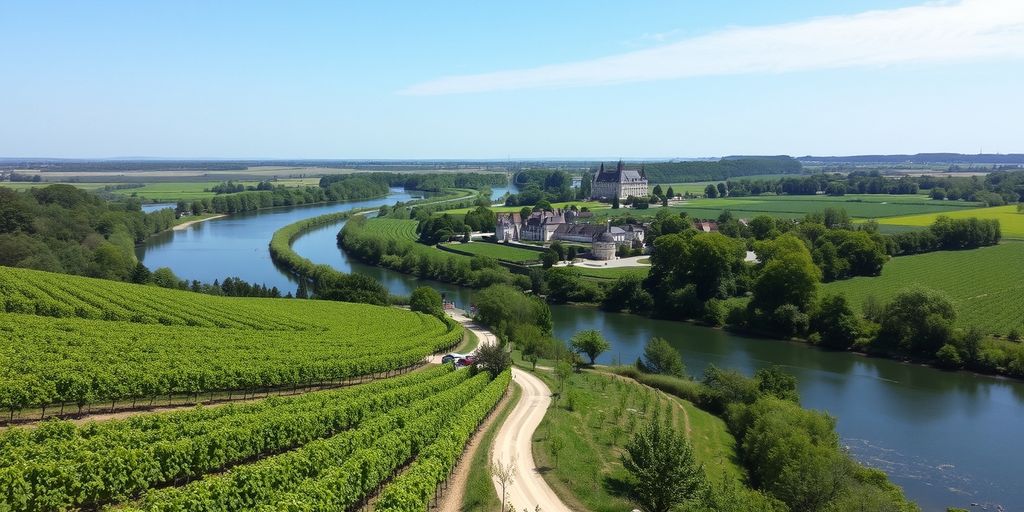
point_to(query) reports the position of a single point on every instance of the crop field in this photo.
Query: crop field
(115, 342)
(393, 229)
(866, 206)
(328, 450)
(496, 251)
(1011, 222)
(984, 284)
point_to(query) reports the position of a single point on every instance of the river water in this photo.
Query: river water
(949, 439)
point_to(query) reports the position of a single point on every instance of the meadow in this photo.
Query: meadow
(1011, 221)
(161, 191)
(984, 284)
(697, 187)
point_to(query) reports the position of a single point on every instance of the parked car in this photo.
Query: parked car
(452, 358)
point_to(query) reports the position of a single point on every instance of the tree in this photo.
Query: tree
(670, 193)
(789, 276)
(710, 191)
(661, 357)
(722, 191)
(559, 249)
(589, 342)
(557, 444)
(615, 203)
(548, 258)
(657, 191)
(505, 474)
(917, 321)
(834, 320)
(493, 358)
(426, 300)
(773, 381)
(664, 469)
(571, 252)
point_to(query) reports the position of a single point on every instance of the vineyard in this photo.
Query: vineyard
(393, 229)
(126, 345)
(980, 282)
(328, 450)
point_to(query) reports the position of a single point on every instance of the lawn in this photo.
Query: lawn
(1011, 222)
(612, 273)
(496, 251)
(393, 229)
(864, 206)
(594, 419)
(984, 284)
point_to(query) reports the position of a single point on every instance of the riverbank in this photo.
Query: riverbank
(193, 221)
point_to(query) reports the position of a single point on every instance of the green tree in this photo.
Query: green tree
(615, 203)
(559, 249)
(670, 193)
(657, 191)
(661, 357)
(711, 191)
(789, 276)
(493, 358)
(834, 320)
(426, 300)
(589, 342)
(548, 258)
(722, 191)
(917, 321)
(664, 469)
(773, 381)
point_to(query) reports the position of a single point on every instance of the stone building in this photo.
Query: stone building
(621, 183)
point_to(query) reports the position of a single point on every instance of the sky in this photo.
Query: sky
(509, 80)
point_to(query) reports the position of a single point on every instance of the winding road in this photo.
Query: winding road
(514, 441)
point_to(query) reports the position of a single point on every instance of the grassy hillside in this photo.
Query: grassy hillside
(122, 342)
(596, 416)
(983, 283)
(393, 229)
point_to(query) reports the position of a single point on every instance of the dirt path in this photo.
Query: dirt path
(452, 499)
(514, 442)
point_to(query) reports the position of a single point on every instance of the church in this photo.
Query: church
(620, 183)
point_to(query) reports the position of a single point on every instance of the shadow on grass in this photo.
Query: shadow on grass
(618, 487)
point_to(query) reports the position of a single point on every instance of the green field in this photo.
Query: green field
(393, 229)
(594, 418)
(496, 251)
(865, 206)
(1010, 220)
(697, 187)
(105, 341)
(593, 205)
(25, 185)
(984, 284)
(611, 273)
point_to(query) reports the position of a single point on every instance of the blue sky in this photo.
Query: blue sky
(509, 80)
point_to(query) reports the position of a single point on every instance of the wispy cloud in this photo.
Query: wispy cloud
(934, 32)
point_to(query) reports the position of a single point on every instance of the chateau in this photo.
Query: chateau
(546, 226)
(619, 183)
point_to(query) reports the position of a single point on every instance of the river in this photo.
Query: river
(949, 439)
